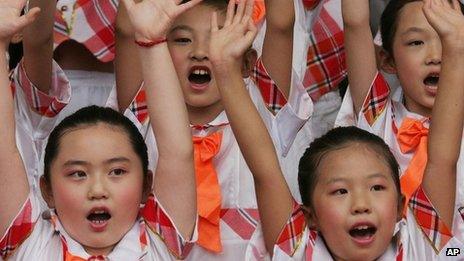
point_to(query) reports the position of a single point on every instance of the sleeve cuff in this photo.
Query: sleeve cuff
(160, 223)
(48, 105)
(428, 220)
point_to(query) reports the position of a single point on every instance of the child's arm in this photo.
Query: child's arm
(128, 70)
(174, 183)
(14, 186)
(227, 46)
(439, 181)
(359, 46)
(38, 45)
(278, 42)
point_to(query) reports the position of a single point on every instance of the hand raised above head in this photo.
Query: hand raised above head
(11, 20)
(229, 43)
(447, 19)
(151, 19)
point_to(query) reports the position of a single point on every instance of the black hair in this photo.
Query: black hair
(336, 139)
(91, 116)
(389, 22)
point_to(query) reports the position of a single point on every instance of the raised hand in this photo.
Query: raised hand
(229, 43)
(11, 20)
(151, 19)
(446, 18)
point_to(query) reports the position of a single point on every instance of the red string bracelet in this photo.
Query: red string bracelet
(151, 43)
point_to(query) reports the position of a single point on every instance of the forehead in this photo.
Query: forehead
(94, 144)
(411, 16)
(198, 18)
(353, 162)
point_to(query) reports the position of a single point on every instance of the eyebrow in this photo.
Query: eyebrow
(181, 27)
(85, 163)
(371, 176)
(413, 29)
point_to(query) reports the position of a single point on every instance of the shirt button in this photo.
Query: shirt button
(64, 8)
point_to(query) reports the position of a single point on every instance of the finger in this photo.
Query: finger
(186, 6)
(240, 10)
(456, 5)
(250, 5)
(230, 13)
(251, 33)
(28, 18)
(214, 22)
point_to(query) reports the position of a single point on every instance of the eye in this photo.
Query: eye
(182, 40)
(415, 43)
(78, 175)
(377, 188)
(339, 191)
(117, 172)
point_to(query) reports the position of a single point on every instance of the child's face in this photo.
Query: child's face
(188, 43)
(355, 203)
(417, 57)
(96, 182)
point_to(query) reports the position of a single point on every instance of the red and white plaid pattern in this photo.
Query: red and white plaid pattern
(461, 211)
(139, 107)
(292, 233)
(272, 96)
(429, 221)
(376, 100)
(159, 222)
(18, 232)
(93, 26)
(44, 104)
(325, 64)
(242, 221)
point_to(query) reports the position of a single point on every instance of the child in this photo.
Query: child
(349, 179)
(226, 199)
(412, 49)
(96, 177)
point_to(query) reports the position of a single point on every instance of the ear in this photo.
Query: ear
(46, 191)
(401, 207)
(249, 61)
(147, 186)
(311, 218)
(387, 62)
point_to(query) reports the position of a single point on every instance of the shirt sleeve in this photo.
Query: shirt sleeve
(21, 227)
(428, 220)
(36, 108)
(159, 222)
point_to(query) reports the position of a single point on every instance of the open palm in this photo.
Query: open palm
(152, 19)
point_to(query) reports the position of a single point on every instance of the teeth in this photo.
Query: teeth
(362, 227)
(99, 212)
(98, 221)
(200, 72)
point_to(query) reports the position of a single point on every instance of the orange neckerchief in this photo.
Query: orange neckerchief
(412, 136)
(208, 191)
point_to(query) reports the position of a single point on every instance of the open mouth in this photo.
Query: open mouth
(199, 75)
(362, 232)
(432, 79)
(99, 216)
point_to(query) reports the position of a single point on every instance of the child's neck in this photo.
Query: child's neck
(416, 108)
(204, 115)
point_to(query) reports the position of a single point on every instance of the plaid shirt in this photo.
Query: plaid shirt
(91, 23)
(325, 66)
(325, 63)
(422, 209)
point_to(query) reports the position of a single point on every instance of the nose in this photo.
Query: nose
(200, 51)
(97, 188)
(434, 54)
(360, 203)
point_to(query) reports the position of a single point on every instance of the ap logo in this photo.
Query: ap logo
(452, 251)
